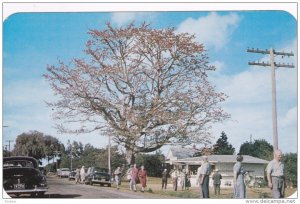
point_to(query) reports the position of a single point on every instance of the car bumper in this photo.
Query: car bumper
(101, 182)
(25, 191)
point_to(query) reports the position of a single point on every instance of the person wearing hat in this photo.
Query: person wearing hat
(239, 187)
(217, 181)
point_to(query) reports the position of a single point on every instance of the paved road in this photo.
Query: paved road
(62, 188)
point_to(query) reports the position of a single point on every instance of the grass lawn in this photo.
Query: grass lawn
(154, 188)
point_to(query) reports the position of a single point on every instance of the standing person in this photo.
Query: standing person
(77, 175)
(142, 174)
(174, 177)
(217, 182)
(182, 175)
(82, 174)
(187, 180)
(239, 187)
(164, 179)
(128, 176)
(117, 174)
(134, 178)
(203, 177)
(275, 175)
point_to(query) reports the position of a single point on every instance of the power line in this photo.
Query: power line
(272, 53)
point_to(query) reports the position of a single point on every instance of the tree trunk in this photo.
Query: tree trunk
(130, 157)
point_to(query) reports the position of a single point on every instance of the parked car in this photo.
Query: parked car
(92, 170)
(21, 175)
(72, 175)
(64, 172)
(101, 178)
(57, 172)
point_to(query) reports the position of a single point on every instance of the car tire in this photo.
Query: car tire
(109, 185)
(40, 195)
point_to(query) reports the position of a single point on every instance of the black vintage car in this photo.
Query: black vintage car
(97, 177)
(21, 175)
(72, 175)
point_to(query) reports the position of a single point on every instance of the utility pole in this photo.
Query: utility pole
(71, 157)
(9, 141)
(272, 53)
(56, 153)
(109, 164)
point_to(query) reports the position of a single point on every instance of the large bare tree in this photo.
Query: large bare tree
(145, 87)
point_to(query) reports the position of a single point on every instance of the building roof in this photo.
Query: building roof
(182, 153)
(224, 159)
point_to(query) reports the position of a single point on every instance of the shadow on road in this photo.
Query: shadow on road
(61, 195)
(48, 196)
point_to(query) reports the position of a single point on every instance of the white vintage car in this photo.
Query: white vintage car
(64, 172)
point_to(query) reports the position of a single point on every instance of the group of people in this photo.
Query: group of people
(80, 175)
(181, 177)
(275, 177)
(134, 176)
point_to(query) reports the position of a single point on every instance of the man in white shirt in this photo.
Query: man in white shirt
(275, 175)
(203, 177)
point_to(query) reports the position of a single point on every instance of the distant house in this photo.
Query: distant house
(176, 153)
(183, 158)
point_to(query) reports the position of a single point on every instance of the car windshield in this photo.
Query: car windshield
(18, 163)
(100, 170)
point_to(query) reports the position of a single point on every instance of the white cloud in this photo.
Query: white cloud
(248, 87)
(25, 93)
(287, 131)
(123, 18)
(25, 107)
(289, 119)
(213, 30)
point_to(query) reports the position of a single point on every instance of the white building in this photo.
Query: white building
(224, 163)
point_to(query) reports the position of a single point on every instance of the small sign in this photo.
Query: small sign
(19, 186)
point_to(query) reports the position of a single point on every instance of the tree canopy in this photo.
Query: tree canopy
(290, 161)
(259, 148)
(36, 144)
(151, 162)
(90, 156)
(222, 146)
(145, 87)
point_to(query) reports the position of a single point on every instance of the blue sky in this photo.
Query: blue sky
(31, 41)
